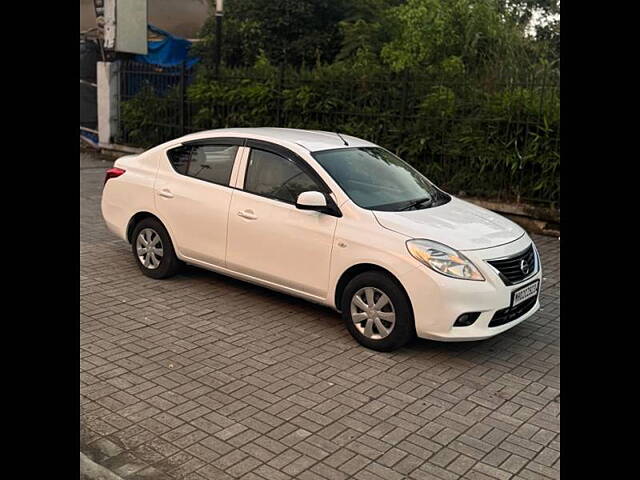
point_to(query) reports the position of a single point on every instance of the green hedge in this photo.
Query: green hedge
(488, 137)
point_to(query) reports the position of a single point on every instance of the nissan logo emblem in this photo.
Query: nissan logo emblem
(524, 267)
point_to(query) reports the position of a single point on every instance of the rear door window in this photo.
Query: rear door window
(211, 163)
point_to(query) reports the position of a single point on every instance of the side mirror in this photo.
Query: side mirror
(311, 201)
(319, 202)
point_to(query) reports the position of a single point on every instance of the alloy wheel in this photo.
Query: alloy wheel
(149, 248)
(372, 313)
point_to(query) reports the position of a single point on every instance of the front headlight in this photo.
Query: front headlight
(443, 259)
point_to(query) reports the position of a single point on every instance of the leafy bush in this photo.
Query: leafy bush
(455, 87)
(502, 143)
(149, 119)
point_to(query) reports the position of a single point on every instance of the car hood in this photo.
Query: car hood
(458, 224)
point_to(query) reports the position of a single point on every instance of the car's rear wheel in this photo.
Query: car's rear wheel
(153, 250)
(377, 312)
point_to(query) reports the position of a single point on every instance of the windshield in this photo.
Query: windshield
(376, 179)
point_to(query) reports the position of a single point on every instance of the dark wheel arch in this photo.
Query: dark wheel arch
(355, 270)
(137, 218)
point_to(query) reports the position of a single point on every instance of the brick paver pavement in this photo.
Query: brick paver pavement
(205, 377)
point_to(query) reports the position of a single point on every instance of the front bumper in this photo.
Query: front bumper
(438, 300)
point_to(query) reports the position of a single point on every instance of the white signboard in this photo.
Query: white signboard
(126, 26)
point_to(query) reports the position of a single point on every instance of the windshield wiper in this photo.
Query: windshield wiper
(417, 203)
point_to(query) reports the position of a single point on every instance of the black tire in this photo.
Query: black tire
(169, 264)
(404, 329)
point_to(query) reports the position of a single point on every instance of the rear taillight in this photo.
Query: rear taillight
(113, 173)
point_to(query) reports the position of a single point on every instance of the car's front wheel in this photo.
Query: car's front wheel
(153, 250)
(377, 312)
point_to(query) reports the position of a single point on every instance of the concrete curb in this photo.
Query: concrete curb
(90, 470)
(119, 149)
(541, 220)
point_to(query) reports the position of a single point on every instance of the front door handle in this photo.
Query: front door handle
(166, 193)
(248, 214)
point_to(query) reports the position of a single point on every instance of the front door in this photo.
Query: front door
(268, 237)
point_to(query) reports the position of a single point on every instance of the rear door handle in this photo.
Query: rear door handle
(248, 214)
(166, 193)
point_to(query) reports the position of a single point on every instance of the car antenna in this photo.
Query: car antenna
(345, 142)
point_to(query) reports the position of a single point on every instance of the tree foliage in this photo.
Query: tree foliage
(465, 90)
(297, 32)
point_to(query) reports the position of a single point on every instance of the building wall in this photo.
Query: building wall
(180, 17)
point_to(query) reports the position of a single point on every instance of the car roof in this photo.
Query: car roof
(311, 140)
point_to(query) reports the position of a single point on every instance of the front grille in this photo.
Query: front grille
(511, 268)
(510, 314)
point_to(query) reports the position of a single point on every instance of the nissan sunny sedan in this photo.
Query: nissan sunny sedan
(333, 219)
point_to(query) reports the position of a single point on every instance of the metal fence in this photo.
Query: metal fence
(499, 150)
(167, 84)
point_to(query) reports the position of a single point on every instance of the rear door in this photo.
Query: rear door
(193, 195)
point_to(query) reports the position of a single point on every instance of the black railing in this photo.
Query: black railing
(167, 87)
(498, 139)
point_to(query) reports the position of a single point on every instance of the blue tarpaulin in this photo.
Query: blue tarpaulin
(168, 52)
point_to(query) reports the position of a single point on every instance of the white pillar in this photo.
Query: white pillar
(108, 84)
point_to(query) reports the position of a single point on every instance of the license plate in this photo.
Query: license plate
(524, 293)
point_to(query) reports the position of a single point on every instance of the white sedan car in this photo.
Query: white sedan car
(330, 218)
